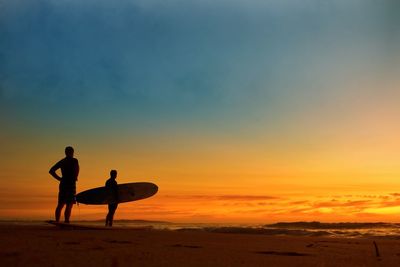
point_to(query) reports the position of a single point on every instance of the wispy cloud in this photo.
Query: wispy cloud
(224, 197)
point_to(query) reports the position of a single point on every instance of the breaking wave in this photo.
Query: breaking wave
(319, 229)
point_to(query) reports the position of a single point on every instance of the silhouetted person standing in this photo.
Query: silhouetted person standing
(69, 175)
(112, 186)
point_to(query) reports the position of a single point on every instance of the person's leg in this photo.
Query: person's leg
(110, 219)
(108, 216)
(59, 208)
(112, 212)
(67, 213)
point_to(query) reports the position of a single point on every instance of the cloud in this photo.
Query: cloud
(389, 203)
(346, 204)
(223, 197)
(246, 197)
(356, 203)
(342, 205)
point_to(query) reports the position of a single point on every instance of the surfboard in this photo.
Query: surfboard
(126, 193)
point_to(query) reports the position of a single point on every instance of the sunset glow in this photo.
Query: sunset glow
(242, 112)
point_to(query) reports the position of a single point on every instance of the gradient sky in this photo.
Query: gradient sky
(241, 111)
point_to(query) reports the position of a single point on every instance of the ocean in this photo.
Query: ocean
(320, 229)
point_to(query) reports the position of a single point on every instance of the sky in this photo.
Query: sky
(240, 111)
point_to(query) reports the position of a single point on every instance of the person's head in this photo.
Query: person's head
(69, 151)
(113, 174)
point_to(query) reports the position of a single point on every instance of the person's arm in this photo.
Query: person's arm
(112, 188)
(115, 189)
(53, 170)
(77, 170)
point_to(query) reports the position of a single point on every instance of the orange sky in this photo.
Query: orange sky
(216, 179)
(346, 170)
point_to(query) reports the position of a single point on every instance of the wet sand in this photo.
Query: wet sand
(47, 245)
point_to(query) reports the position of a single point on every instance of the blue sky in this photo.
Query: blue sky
(179, 57)
(246, 68)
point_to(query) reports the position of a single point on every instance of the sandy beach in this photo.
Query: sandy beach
(47, 245)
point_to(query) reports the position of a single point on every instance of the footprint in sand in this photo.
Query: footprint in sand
(185, 246)
(118, 241)
(71, 243)
(9, 254)
(282, 253)
(97, 248)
